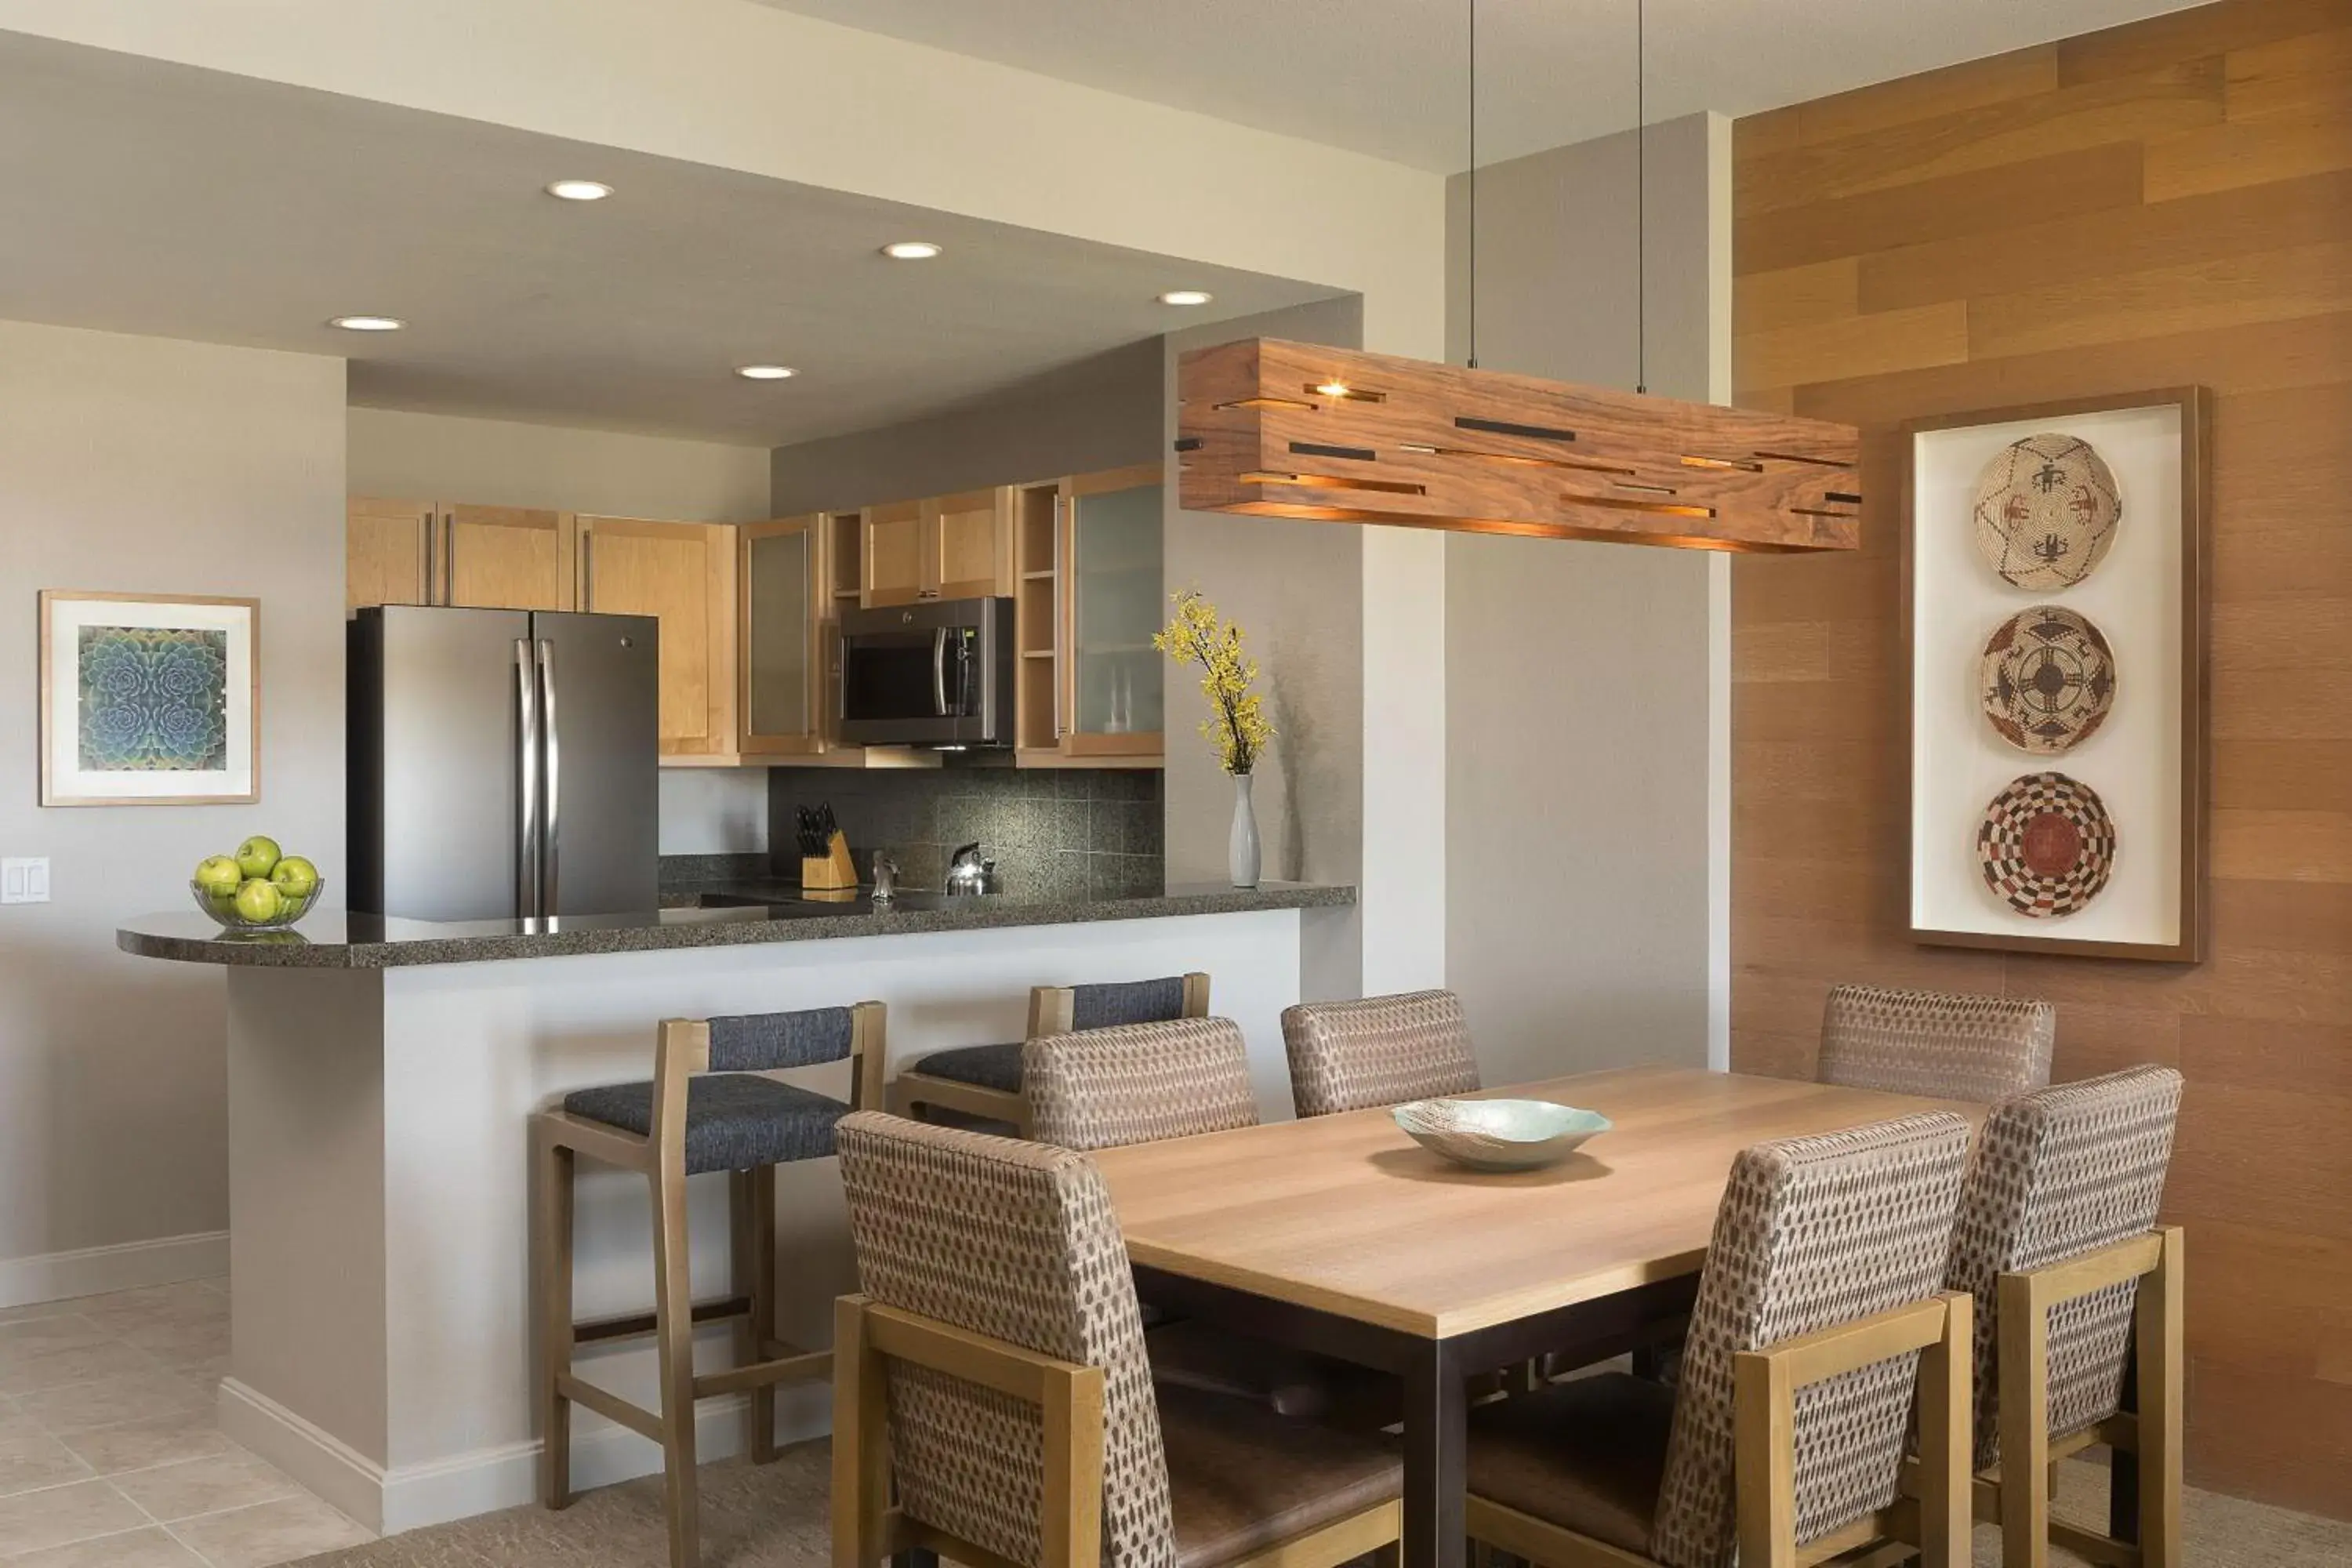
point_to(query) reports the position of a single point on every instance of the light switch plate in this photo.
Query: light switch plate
(25, 881)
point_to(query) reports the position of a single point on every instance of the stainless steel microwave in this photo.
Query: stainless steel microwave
(938, 674)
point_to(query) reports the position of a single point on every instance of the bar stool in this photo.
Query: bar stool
(984, 1081)
(705, 1108)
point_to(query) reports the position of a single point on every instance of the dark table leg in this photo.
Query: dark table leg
(1434, 1412)
(2123, 1470)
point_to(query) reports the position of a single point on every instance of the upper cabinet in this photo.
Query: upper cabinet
(949, 547)
(428, 552)
(389, 553)
(506, 558)
(781, 584)
(1088, 564)
(682, 574)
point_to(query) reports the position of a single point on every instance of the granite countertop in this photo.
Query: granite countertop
(332, 939)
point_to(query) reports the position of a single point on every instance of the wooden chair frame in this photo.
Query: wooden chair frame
(866, 1527)
(1764, 1393)
(1051, 1011)
(682, 1049)
(2015, 1493)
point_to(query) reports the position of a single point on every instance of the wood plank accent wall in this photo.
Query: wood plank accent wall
(2165, 203)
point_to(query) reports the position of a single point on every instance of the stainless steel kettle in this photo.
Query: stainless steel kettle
(968, 873)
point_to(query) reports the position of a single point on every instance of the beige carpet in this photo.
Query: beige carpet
(773, 1516)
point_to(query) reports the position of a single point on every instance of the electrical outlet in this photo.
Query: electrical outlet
(25, 881)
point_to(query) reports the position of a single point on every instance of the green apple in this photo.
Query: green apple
(258, 901)
(219, 875)
(296, 877)
(257, 856)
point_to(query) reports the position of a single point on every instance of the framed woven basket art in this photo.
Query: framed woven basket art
(2054, 579)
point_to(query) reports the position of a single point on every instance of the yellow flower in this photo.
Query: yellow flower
(1194, 634)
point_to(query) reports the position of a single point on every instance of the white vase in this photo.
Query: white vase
(1241, 850)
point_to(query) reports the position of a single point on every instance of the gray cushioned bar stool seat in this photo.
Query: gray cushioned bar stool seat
(994, 1066)
(980, 1087)
(734, 1122)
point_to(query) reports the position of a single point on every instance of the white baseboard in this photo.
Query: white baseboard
(128, 1266)
(482, 1480)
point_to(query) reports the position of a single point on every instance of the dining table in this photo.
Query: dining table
(1340, 1235)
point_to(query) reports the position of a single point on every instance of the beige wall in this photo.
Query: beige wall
(1587, 790)
(1297, 591)
(150, 465)
(498, 462)
(1101, 413)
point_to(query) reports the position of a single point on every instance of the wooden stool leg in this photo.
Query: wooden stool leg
(552, 1263)
(673, 1335)
(751, 1199)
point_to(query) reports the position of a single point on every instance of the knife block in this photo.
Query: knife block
(830, 870)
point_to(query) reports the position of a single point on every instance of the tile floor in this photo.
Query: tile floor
(108, 1454)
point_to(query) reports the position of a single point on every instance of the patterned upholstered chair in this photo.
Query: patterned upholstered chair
(2059, 1245)
(984, 1081)
(1382, 1050)
(1978, 1048)
(1140, 1083)
(706, 1109)
(1818, 1318)
(994, 1373)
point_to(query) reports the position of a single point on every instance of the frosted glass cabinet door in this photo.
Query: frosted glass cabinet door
(1117, 694)
(778, 635)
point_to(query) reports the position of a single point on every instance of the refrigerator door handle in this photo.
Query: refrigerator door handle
(526, 874)
(552, 776)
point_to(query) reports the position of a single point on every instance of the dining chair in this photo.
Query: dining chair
(1381, 1050)
(984, 1081)
(707, 1108)
(1141, 1083)
(993, 1401)
(1819, 1316)
(1941, 1046)
(2059, 1246)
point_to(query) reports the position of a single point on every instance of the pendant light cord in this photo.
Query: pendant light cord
(1473, 183)
(1641, 203)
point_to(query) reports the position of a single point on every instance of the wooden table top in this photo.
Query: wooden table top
(1348, 1215)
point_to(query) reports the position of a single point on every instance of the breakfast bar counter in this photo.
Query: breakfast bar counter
(381, 1075)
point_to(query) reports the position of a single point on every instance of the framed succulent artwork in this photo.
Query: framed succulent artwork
(2054, 570)
(149, 699)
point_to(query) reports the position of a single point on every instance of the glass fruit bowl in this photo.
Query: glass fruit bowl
(222, 907)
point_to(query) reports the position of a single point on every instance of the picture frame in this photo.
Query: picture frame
(2132, 771)
(149, 699)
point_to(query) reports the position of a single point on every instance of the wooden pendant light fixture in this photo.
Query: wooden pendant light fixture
(1271, 428)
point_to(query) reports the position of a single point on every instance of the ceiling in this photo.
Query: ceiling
(1386, 76)
(140, 197)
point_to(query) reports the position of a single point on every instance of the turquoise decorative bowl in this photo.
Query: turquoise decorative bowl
(1499, 1134)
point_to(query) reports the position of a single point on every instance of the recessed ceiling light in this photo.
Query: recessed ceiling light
(765, 372)
(368, 323)
(910, 250)
(1186, 297)
(580, 190)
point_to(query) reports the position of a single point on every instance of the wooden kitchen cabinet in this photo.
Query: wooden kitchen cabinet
(506, 558)
(782, 607)
(436, 552)
(1092, 688)
(947, 547)
(388, 555)
(684, 575)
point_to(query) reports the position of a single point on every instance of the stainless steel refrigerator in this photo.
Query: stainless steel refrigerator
(502, 763)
